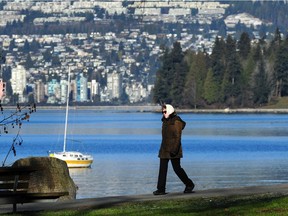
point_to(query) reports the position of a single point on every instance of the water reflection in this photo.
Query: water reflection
(223, 174)
(116, 177)
(124, 177)
(121, 175)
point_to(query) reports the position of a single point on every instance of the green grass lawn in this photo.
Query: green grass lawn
(239, 205)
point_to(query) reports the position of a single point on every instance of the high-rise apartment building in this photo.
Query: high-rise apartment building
(39, 91)
(54, 93)
(63, 91)
(18, 83)
(114, 85)
(94, 89)
(81, 87)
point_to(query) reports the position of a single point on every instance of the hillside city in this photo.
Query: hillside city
(106, 66)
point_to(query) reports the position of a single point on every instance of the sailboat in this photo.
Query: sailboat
(74, 159)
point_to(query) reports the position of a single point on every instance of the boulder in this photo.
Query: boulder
(51, 175)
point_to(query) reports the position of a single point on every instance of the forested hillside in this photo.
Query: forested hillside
(236, 74)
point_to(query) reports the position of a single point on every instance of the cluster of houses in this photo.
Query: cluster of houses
(88, 59)
(69, 10)
(39, 80)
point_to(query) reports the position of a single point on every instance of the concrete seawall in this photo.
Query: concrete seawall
(247, 110)
(157, 108)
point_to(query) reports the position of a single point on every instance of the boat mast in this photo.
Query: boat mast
(67, 108)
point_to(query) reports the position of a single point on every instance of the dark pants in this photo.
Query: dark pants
(180, 172)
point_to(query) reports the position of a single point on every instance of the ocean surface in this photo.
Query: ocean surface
(220, 150)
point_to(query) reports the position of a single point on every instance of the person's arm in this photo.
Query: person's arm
(176, 138)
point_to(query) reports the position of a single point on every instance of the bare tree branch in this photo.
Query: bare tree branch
(15, 119)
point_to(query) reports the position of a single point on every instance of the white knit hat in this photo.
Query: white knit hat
(169, 109)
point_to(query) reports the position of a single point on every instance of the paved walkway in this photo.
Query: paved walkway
(96, 203)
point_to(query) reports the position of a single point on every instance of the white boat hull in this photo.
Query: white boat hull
(74, 159)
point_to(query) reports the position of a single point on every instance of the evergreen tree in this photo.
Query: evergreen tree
(281, 69)
(218, 68)
(177, 90)
(211, 89)
(177, 74)
(26, 47)
(277, 38)
(274, 43)
(246, 79)
(47, 56)
(190, 90)
(29, 62)
(35, 46)
(232, 79)
(218, 59)
(194, 85)
(244, 45)
(161, 89)
(257, 53)
(261, 85)
(170, 78)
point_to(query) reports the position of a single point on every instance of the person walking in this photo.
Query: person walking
(171, 149)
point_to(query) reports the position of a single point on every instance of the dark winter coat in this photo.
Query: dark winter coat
(171, 137)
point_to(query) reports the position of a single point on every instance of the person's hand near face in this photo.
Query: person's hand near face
(165, 113)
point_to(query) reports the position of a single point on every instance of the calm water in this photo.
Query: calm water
(220, 150)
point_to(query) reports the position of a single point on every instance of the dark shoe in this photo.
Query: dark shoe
(158, 192)
(189, 189)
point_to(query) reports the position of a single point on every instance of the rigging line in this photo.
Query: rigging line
(67, 107)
